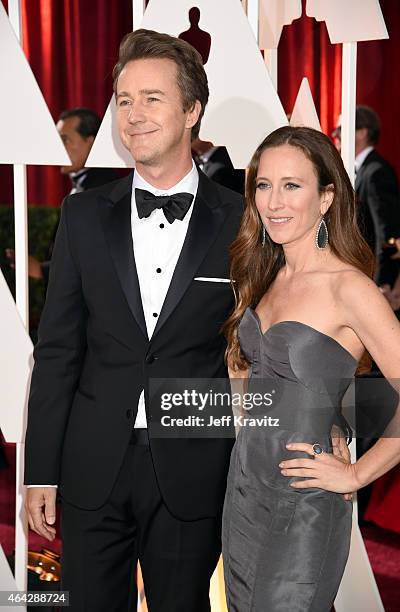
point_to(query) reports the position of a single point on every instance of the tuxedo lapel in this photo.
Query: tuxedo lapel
(206, 221)
(358, 179)
(115, 212)
(359, 176)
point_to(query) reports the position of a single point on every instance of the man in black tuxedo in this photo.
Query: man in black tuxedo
(379, 220)
(138, 290)
(78, 128)
(377, 192)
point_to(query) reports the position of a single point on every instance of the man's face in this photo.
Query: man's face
(78, 147)
(360, 142)
(151, 121)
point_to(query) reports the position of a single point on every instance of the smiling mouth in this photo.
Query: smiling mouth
(141, 133)
(279, 220)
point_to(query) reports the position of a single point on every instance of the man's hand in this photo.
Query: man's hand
(34, 267)
(40, 505)
(341, 450)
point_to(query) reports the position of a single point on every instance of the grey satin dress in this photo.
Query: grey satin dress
(285, 549)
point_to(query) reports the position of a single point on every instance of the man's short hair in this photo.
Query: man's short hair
(192, 78)
(367, 118)
(89, 123)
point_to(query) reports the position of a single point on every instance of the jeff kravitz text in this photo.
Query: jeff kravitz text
(224, 421)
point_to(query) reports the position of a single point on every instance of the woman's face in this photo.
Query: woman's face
(287, 195)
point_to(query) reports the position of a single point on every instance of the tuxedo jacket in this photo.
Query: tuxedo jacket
(93, 355)
(379, 211)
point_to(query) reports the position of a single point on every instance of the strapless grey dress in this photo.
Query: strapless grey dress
(285, 549)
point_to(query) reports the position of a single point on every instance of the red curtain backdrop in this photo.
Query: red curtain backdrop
(72, 46)
(305, 50)
(379, 85)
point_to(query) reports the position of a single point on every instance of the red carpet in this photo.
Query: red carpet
(383, 546)
(383, 549)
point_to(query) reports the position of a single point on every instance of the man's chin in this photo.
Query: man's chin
(66, 169)
(146, 158)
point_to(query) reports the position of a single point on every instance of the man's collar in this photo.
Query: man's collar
(188, 183)
(78, 174)
(361, 157)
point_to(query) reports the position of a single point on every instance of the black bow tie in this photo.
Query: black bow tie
(175, 206)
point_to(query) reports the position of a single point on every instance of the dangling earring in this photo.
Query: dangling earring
(322, 236)
(263, 237)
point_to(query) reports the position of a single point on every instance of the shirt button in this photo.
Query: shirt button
(129, 414)
(150, 358)
(155, 314)
(158, 270)
(161, 225)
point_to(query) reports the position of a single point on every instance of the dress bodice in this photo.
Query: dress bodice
(294, 351)
(305, 371)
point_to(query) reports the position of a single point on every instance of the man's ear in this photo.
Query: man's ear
(193, 115)
(327, 198)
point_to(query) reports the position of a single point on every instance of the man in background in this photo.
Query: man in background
(377, 192)
(379, 220)
(78, 128)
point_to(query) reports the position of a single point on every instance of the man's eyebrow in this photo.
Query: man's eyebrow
(146, 92)
(123, 94)
(152, 91)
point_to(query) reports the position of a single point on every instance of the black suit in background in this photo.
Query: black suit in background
(94, 177)
(219, 168)
(91, 362)
(379, 211)
(379, 219)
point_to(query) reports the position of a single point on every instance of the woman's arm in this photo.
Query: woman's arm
(368, 313)
(371, 317)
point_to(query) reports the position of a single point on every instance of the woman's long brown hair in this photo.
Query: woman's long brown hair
(253, 266)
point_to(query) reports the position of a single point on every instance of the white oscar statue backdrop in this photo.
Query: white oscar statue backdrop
(29, 136)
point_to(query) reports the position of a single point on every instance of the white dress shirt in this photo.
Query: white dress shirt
(157, 245)
(361, 157)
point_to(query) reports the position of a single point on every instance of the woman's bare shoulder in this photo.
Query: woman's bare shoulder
(345, 278)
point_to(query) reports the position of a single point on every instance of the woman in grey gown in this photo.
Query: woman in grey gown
(306, 313)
